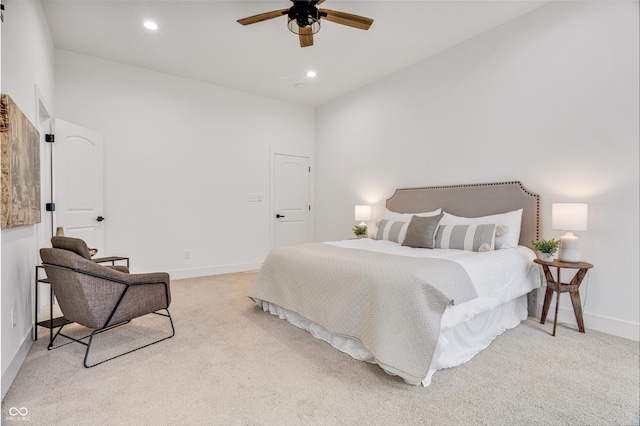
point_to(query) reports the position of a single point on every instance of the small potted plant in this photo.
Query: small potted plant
(547, 248)
(360, 231)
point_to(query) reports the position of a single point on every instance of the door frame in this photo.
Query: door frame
(44, 229)
(44, 125)
(272, 211)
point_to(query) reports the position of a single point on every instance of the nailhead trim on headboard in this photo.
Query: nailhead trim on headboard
(471, 185)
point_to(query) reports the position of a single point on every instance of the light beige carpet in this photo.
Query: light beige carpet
(232, 364)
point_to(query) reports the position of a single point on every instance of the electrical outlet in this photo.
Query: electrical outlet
(187, 254)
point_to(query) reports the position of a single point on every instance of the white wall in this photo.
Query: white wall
(27, 61)
(181, 159)
(550, 99)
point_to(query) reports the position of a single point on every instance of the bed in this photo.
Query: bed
(449, 271)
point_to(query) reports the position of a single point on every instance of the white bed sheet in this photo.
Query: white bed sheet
(502, 279)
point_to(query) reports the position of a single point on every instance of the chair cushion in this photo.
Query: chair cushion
(75, 245)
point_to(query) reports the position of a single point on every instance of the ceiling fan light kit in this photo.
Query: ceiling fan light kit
(304, 19)
(301, 18)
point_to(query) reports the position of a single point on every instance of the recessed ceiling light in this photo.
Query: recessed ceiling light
(311, 74)
(151, 25)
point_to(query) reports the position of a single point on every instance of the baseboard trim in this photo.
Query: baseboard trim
(615, 327)
(9, 375)
(178, 274)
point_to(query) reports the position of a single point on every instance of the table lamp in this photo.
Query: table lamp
(363, 213)
(569, 217)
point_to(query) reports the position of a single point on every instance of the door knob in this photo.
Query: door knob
(100, 218)
(278, 216)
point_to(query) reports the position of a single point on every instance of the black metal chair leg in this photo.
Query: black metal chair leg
(86, 355)
(58, 333)
(101, 330)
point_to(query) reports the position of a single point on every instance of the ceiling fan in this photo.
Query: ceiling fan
(304, 19)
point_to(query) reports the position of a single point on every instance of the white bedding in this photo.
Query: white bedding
(502, 279)
(498, 276)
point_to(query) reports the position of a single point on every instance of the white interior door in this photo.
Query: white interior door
(78, 183)
(292, 209)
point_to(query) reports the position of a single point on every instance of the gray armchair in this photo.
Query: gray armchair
(101, 297)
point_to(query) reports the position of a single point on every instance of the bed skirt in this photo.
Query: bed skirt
(455, 346)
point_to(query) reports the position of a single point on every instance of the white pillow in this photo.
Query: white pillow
(507, 238)
(406, 217)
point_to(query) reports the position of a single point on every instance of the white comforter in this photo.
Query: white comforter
(392, 304)
(498, 276)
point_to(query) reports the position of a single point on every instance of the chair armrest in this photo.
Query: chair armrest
(111, 273)
(120, 268)
(149, 278)
(103, 271)
(138, 281)
(115, 273)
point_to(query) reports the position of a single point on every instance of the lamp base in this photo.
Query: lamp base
(569, 248)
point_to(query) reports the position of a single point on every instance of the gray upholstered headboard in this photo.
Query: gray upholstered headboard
(473, 200)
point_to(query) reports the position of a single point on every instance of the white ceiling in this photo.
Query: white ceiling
(201, 40)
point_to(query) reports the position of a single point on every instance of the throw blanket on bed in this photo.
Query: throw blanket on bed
(393, 304)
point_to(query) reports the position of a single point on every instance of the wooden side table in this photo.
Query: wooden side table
(559, 287)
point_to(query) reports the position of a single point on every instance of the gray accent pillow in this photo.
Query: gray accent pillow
(421, 231)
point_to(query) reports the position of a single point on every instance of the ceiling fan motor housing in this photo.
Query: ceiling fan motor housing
(304, 14)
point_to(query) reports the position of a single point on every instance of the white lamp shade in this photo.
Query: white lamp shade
(363, 213)
(569, 216)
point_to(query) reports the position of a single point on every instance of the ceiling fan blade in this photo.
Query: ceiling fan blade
(306, 37)
(348, 19)
(319, 2)
(262, 17)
